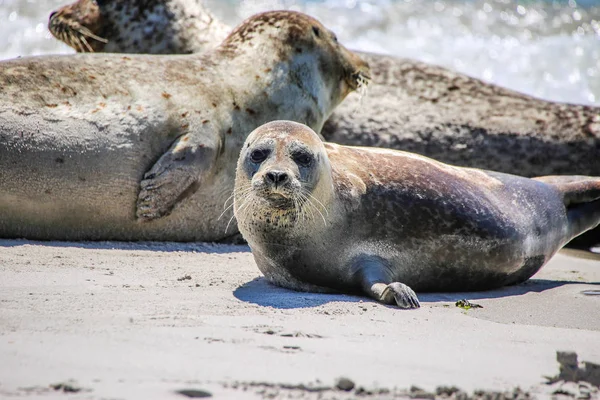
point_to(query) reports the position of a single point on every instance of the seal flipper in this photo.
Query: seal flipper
(175, 176)
(372, 272)
(581, 196)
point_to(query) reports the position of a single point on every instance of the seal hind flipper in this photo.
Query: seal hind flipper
(576, 189)
(373, 274)
(175, 176)
(581, 195)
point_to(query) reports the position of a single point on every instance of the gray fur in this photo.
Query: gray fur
(93, 145)
(385, 222)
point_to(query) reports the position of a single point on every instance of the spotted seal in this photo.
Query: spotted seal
(411, 105)
(321, 217)
(138, 147)
(140, 26)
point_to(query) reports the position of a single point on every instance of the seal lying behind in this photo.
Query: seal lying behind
(142, 26)
(89, 142)
(320, 217)
(411, 105)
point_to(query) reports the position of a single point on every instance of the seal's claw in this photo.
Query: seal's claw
(158, 195)
(173, 177)
(405, 297)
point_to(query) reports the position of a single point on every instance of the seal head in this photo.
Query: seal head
(283, 170)
(302, 37)
(137, 26)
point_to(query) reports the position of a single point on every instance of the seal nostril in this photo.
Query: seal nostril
(276, 177)
(52, 14)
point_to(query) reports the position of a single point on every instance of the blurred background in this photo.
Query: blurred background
(549, 49)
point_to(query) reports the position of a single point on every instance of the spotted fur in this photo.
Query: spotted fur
(137, 26)
(410, 105)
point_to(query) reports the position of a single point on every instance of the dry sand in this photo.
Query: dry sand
(143, 320)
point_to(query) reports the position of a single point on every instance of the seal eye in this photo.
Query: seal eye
(303, 159)
(316, 31)
(258, 156)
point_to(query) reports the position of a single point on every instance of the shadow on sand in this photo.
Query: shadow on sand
(194, 247)
(260, 291)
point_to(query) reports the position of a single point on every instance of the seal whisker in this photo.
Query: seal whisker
(241, 192)
(363, 85)
(363, 82)
(76, 41)
(64, 34)
(242, 208)
(303, 210)
(227, 207)
(312, 204)
(245, 203)
(86, 32)
(317, 200)
(309, 201)
(305, 200)
(85, 42)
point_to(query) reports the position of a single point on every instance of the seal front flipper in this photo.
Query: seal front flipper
(176, 175)
(373, 275)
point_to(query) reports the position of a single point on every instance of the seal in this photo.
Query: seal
(411, 105)
(136, 147)
(326, 217)
(137, 26)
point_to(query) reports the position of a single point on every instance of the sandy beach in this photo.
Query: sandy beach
(145, 320)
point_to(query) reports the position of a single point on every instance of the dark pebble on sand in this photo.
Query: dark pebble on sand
(344, 384)
(418, 393)
(446, 390)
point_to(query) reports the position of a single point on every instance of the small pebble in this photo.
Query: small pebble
(344, 384)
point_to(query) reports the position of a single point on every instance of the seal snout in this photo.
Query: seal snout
(76, 25)
(276, 178)
(276, 183)
(358, 76)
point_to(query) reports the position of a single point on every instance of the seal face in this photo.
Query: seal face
(320, 216)
(140, 147)
(80, 25)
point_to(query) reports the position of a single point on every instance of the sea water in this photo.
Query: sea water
(549, 49)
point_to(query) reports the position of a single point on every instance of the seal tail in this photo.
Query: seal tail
(581, 196)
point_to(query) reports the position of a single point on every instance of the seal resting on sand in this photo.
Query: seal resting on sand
(321, 217)
(90, 142)
(411, 105)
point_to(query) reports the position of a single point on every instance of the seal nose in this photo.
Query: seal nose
(276, 177)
